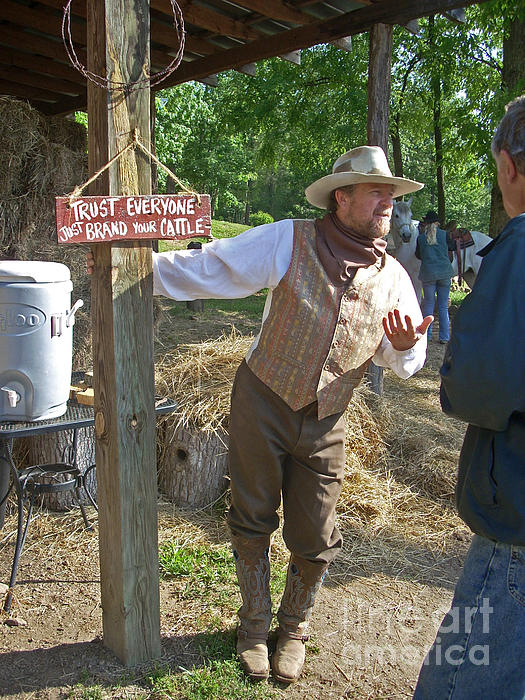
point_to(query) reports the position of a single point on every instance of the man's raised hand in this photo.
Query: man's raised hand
(404, 336)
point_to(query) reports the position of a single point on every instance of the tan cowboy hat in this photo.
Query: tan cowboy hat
(362, 164)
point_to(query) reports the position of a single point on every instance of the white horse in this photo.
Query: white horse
(402, 241)
(403, 234)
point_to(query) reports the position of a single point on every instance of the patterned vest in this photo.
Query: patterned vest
(318, 339)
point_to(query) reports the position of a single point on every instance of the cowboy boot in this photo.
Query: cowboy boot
(252, 562)
(304, 579)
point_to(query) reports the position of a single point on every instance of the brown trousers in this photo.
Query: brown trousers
(274, 450)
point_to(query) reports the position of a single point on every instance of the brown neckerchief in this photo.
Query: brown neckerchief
(341, 250)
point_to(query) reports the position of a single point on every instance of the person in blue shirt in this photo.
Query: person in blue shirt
(432, 248)
(479, 650)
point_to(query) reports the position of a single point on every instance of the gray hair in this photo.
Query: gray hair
(332, 202)
(510, 133)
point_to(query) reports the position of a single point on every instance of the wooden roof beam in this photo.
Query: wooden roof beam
(26, 92)
(161, 33)
(65, 106)
(25, 77)
(203, 17)
(40, 64)
(351, 23)
(36, 44)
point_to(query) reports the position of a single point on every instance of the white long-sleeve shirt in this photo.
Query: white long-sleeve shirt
(233, 268)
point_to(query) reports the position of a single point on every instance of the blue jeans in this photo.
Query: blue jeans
(479, 651)
(442, 287)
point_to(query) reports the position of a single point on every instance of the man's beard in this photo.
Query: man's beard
(374, 228)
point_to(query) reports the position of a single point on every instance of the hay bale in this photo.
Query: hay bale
(43, 158)
(199, 376)
(192, 462)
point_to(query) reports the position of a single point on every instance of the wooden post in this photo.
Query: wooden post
(118, 45)
(379, 68)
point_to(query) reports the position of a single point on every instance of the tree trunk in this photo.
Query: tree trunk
(513, 79)
(193, 467)
(498, 215)
(438, 133)
(379, 65)
(247, 207)
(396, 148)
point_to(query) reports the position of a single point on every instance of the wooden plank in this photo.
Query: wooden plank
(39, 18)
(345, 43)
(64, 106)
(52, 84)
(36, 44)
(104, 219)
(348, 24)
(41, 65)
(123, 344)
(30, 93)
(85, 397)
(205, 18)
(379, 80)
(292, 57)
(275, 9)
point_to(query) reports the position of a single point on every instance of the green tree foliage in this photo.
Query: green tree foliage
(255, 143)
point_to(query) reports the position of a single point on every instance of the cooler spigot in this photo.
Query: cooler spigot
(70, 315)
(12, 396)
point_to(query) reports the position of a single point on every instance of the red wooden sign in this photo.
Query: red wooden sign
(109, 219)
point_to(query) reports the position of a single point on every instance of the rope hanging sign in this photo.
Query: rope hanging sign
(107, 219)
(103, 219)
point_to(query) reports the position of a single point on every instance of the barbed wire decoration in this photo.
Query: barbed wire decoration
(150, 79)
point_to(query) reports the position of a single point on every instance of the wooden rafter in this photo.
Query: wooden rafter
(161, 32)
(37, 80)
(8, 87)
(318, 33)
(17, 38)
(208, 19)
(19, 59)
(275, 9)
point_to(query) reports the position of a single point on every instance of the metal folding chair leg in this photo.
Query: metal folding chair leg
(21, 535)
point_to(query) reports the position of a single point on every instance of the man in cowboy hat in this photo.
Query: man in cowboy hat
(336, 301)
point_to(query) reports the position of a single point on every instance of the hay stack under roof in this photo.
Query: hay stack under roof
(42, 158)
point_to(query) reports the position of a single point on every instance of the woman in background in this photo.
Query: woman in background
(433, 246)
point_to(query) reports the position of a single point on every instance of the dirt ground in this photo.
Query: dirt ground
(370, 630)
